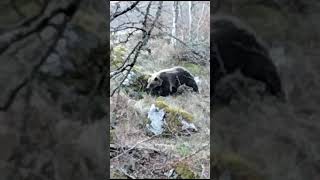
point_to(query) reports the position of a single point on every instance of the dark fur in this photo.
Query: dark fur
(177, 76)
(235, 47)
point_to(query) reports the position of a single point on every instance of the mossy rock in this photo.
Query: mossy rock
(239, 167)
(173, 117)
(174, 111)
(185, 172)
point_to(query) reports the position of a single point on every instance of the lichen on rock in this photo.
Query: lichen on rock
(174, 121)
(174, 112)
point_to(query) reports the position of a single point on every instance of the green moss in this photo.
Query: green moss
(161, 104)
(174, 116)
(174, 112)
(137, 69)
(160, 98)
(183, 150)
(185, 171)
(193, 68)
(118, 175)
(118, 55)
(237, 165)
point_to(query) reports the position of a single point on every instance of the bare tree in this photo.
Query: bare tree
(175, 12)
(199, 21)
(129, 62)
(190, 20)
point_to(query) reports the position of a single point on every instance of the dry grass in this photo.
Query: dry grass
(130, 117)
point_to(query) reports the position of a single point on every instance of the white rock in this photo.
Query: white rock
(156, 117)
(188, 126)
(197, 79)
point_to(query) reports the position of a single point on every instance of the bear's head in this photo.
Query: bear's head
(154, 81)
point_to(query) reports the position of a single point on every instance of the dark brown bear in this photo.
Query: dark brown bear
(167, 81)
(235, 47)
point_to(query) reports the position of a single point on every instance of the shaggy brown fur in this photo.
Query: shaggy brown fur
(167, 81)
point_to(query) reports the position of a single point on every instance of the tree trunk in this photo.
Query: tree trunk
(199, 22)
(180, 15)
(190, 20)
(175, 12)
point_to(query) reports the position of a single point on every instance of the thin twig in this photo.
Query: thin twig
(125, 173)
(194, 153)
(134, 146)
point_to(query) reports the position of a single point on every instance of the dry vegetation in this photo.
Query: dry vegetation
(134, 153)
(130, 116)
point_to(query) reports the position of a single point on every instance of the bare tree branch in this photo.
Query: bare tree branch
(123, 24)
(128, 27)
(183, 43)
(123, 67)
(127, 38)
(117, 14)
(139, 45)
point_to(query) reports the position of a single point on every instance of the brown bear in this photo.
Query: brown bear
(167, 81)
(236, 47)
